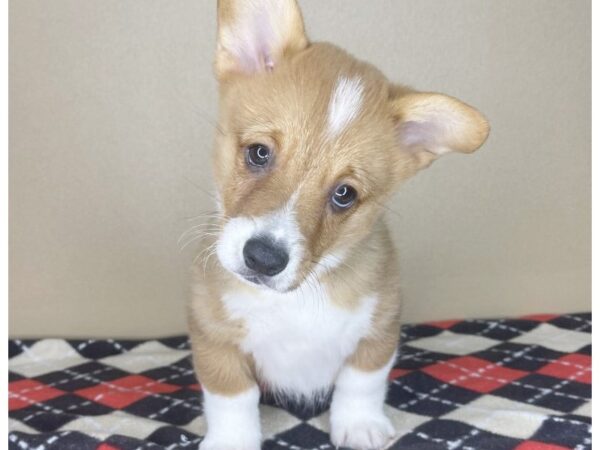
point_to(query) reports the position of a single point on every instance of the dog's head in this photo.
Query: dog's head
(311, 143)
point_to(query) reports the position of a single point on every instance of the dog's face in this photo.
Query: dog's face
(311, 144)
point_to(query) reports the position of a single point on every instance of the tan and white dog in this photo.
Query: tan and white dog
(303, 295)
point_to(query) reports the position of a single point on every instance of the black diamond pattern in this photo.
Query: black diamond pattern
(45, 400)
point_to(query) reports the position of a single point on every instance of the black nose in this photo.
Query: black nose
(263, 256)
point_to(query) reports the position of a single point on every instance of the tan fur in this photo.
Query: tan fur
(221, 366)
(373, 265)
(286, 108)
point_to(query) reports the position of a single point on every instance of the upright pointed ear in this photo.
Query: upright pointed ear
(430, 125)
(253, 35)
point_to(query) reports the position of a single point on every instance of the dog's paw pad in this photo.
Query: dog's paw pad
(366, 433)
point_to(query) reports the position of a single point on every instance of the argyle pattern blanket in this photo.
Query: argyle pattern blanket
(522, 384)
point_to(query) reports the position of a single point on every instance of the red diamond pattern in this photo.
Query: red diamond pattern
(107, 447)
(534, 445)
(397, 373)
(23, 393)
(123, 392)
(474, 373)
(443, 324)
(166, 391)
(573, 367)
(540, 318)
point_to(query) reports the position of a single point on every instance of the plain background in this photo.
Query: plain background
(112, 107)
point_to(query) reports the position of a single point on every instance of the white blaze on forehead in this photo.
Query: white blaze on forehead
(283, 222)
(344, 106)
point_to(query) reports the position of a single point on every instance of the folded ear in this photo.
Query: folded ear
(253, 35)
(430, 125)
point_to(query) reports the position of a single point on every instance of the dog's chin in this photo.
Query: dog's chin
(275, 284)
(263, 282)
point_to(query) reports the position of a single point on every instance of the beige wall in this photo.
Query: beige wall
(112, 106)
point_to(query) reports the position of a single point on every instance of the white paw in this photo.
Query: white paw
(362, 432)
(233, 442)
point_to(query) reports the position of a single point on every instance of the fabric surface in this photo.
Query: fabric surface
(477, 384)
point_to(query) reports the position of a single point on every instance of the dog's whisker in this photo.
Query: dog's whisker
(186, 235)
(199, 233)
(198, 239)
(203, 190)
(208, 252)
(208, 226)
(212, 214)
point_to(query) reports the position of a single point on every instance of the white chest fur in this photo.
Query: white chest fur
(299, 341)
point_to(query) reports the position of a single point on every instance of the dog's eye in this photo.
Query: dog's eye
(258, 155)
(343, 197)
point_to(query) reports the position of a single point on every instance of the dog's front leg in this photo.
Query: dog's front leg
(232, 421)
(357, 417)
(231, 396)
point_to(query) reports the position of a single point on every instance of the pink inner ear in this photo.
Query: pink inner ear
(418, 134)
(255, 40)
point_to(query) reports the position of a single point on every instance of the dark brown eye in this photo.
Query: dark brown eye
(258, 155)
(343, 197)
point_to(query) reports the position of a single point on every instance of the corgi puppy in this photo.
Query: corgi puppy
(300, 291)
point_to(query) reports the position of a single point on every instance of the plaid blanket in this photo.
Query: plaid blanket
(477, 384)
